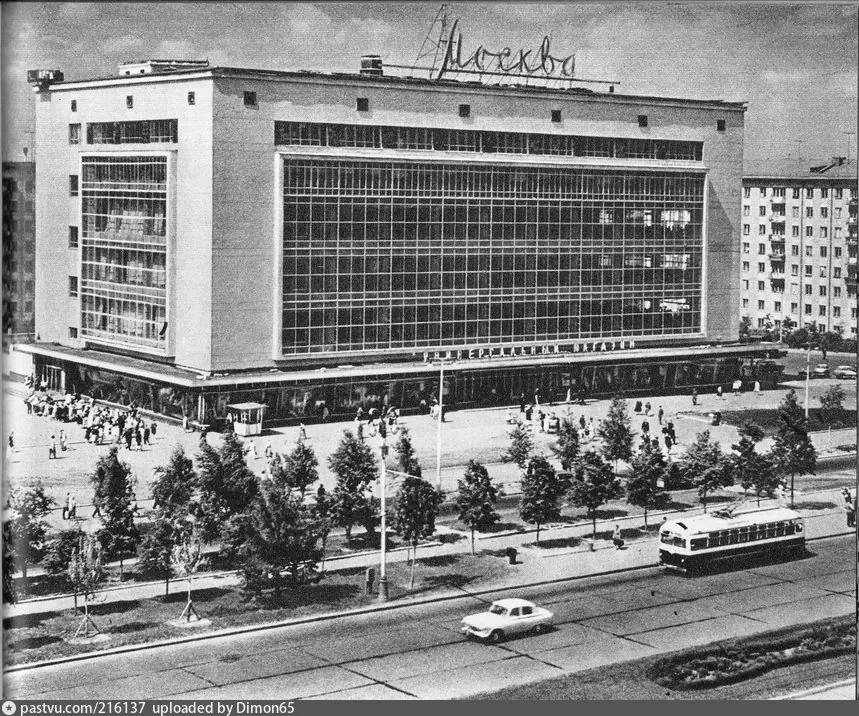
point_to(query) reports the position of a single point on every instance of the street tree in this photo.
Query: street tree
(114, 492)
(281, 548)
(542, 490)
(323, 510)
(753, 470)
(476, 499)
(28, 510)
(86, 574)
(406, 457)
(171, 520)
(792, 451)
(186, 557)
(355, 467)
(832, 404)
(414, 510)
(297, 470)
(616, 432)
(706, 466)
(566, 448)
(10, 596)
(521, 445)
(593, 485)
(226, 486)
(59, 549)
(745, 328)
(642, 488)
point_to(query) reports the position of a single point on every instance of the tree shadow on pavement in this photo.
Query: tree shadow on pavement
(811, 505)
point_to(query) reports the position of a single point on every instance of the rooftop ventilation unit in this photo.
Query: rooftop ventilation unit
(147, 67)
(371, 65)
(42, 79)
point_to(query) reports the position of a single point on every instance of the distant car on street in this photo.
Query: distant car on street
(845, 371)
(821, 370)
(506, 617)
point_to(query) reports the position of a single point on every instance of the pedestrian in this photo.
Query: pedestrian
(645, 427)
(11, 441)
(637, 407)
(616, 538)
(718, 391)
(185, 423)
(62, 440)
(647, 408)
(204, 432)
(302, 432)
(67, 506)
(129, 436)
(29, 405)
(668, 443)
(154, 428)
(96, 507)
(252, 449)
(736, 387)
(757, 389)
(268, 452)
(73, 508)
(850, 508)
(52, 450)
(660, 414)
(694, 396)
(582, 422)
(146, 435)
(537, 396)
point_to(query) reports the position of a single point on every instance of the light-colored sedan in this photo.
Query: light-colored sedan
(506, 617)
(845, 371)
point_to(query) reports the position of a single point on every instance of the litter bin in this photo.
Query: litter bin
(511, 554)
(717, 418)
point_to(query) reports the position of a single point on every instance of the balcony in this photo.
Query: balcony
(777, 277)
(776, 218)
(776, 256)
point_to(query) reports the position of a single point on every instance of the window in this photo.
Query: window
(761, 286)
(129, 101)
(821, 310)
(73, 237)
(745, 265)
(746, 209)
(839, 193)
(73, 184)
(362, 104)
(794, 212)
(794, 231)
(642, 120)
(144, 132)
(777, 306)
(794, 250)
(809, 290)
(762, 229)
(824, 232)
(809, 212)
(837, 252)
(762, 267)
(192, 98)
(745, 284)
(794, 307)
(745, 303)
(837, 232)
(796, 193)
(823, 291)
(250, 99)
(823, 252)
(836, 311)
(74, 105)
(74, 134)
(836, 273)
(762, 190)
(746, 247)
(747, 191)
(762, 323)
(809, 232)
(823, 272)
(824, 194)
(720, 125)
(809, 271)
(762, 249)
(556, 115)
(762, 210)
(808, 309)
(465, 110)
(761, 305)
(824, 212)
(809, 193)
(73, 332)
(73, 286)
(794, 270)
(836, 290)
(779, 191)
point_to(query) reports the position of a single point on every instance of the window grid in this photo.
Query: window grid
(395, 255)
(123, 249)
(151, 131)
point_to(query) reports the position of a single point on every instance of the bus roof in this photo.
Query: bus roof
(720, 521)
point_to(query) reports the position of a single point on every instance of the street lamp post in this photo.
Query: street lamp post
(438, 427)
(807, 376)
(383, 577)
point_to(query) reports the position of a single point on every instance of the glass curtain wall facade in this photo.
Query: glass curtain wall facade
(124, 249)
(395, 255)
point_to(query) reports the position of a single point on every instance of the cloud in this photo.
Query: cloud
(175, 50)
(122, 44)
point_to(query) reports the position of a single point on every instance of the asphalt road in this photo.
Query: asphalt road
(418, 652)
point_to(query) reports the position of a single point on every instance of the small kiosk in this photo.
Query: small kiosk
(247, 418)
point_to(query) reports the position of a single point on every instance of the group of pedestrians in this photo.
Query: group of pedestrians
(849, 507)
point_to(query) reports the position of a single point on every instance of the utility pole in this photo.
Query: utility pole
(849, 141)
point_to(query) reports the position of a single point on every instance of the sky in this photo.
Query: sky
(795, 65)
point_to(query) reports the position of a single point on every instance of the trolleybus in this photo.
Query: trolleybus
(691, 543)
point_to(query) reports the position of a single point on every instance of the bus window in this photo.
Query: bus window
(666, 538)
(779, 529)
(744, 534)
(698, 543)
(733, 536)
(770, 531)
(679, 542)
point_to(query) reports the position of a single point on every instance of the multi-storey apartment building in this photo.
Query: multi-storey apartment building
(798, 250)
(19, 250)
(215, 235)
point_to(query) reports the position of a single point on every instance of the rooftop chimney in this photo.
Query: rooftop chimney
(371, 65)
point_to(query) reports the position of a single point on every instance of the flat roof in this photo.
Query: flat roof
(421, 82)
(166, 373)
(780, 168)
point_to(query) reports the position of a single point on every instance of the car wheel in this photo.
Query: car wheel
(540, 629)
(496, 636)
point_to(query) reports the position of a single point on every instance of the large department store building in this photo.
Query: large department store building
(214, 235)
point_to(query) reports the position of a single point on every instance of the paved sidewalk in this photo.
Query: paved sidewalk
(537, 564)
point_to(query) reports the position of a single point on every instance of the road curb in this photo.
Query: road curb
(329, 616)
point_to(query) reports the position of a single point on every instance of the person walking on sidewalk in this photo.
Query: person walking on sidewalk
(67, 506)
(694, 396)
(616, 539)
(52, 449)
(718, 391)
(757, 389)
(849, 507)
(660, 414)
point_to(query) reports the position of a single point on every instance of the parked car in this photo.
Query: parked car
(506, 617)
(821, 370)
(845, 371)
